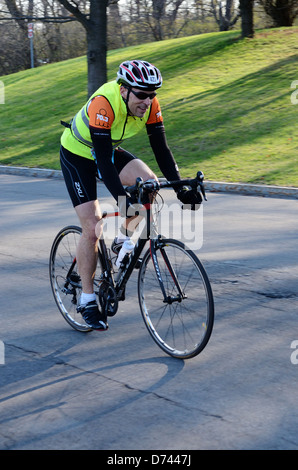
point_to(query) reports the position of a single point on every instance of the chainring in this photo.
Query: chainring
(108, 299)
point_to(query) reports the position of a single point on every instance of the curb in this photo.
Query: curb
(33, 172)
(253, 189)
(211, 186)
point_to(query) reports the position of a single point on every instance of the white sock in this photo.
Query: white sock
(85, 298)
(121, 238)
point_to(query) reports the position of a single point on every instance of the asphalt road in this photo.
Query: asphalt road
(117, 390)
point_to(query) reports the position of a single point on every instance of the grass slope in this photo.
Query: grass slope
(226, 104)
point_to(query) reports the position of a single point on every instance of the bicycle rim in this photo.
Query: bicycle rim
(181, 328)
(66, 285)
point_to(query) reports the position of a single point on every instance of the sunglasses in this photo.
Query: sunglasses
(143, 96)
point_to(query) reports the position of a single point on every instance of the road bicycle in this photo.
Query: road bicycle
(174, 292)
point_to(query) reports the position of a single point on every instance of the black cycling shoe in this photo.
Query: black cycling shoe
(93, 317)
(116, 246)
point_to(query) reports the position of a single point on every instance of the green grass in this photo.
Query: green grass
(226, 104)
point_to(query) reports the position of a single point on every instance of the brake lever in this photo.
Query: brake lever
(200, 178)
(139, 182)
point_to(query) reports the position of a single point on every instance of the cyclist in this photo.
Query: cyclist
(90, 146)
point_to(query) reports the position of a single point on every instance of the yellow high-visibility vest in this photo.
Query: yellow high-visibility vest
(77, 138)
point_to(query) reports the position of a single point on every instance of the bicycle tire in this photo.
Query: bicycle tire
(67, 289)
(182, 328)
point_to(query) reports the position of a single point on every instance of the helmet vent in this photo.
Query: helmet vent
(139, 74)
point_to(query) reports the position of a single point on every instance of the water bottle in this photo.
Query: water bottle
(126, 248)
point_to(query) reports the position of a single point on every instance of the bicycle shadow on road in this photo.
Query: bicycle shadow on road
(34, 364)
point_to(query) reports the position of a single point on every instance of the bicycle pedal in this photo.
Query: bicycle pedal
(122, 296)
(138, 263)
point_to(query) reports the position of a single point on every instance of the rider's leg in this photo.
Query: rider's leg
(80, 178)
(79, 174)
(134, 169)
(89, 214)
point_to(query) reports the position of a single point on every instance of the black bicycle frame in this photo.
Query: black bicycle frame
(167, 299)
(125, 272)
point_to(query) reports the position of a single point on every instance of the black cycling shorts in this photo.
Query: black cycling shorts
(80, 173)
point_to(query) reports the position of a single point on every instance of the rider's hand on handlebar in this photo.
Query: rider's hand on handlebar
(189, 196)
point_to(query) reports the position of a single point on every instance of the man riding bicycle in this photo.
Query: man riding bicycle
(90, 146)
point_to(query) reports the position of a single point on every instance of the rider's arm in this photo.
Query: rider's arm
(101, 117)
(158, 142)
(102, 144)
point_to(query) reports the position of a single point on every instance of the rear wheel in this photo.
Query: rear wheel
(64, 277)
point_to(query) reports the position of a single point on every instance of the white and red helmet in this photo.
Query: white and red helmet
(139, 74)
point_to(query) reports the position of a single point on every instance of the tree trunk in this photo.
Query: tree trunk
(96, 31)
(17, 14)
(97, 45)
(224, 18)
(157, 14)
(283, 12)
(247, 25)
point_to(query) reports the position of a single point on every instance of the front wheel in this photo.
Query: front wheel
(180, 319)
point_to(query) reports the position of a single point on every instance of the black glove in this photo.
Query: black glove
(189, 197)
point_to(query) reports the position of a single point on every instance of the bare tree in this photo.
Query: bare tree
(48, 17)
(92, 15)
(224, 14)
(161, 16)
(20, 14)
(282, 12)
(116, 35)
(154, 13)
(58, 36)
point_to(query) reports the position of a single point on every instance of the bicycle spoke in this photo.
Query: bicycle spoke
(65, 283)
(181, 325)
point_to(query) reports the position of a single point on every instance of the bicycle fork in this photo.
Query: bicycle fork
(157, 244)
